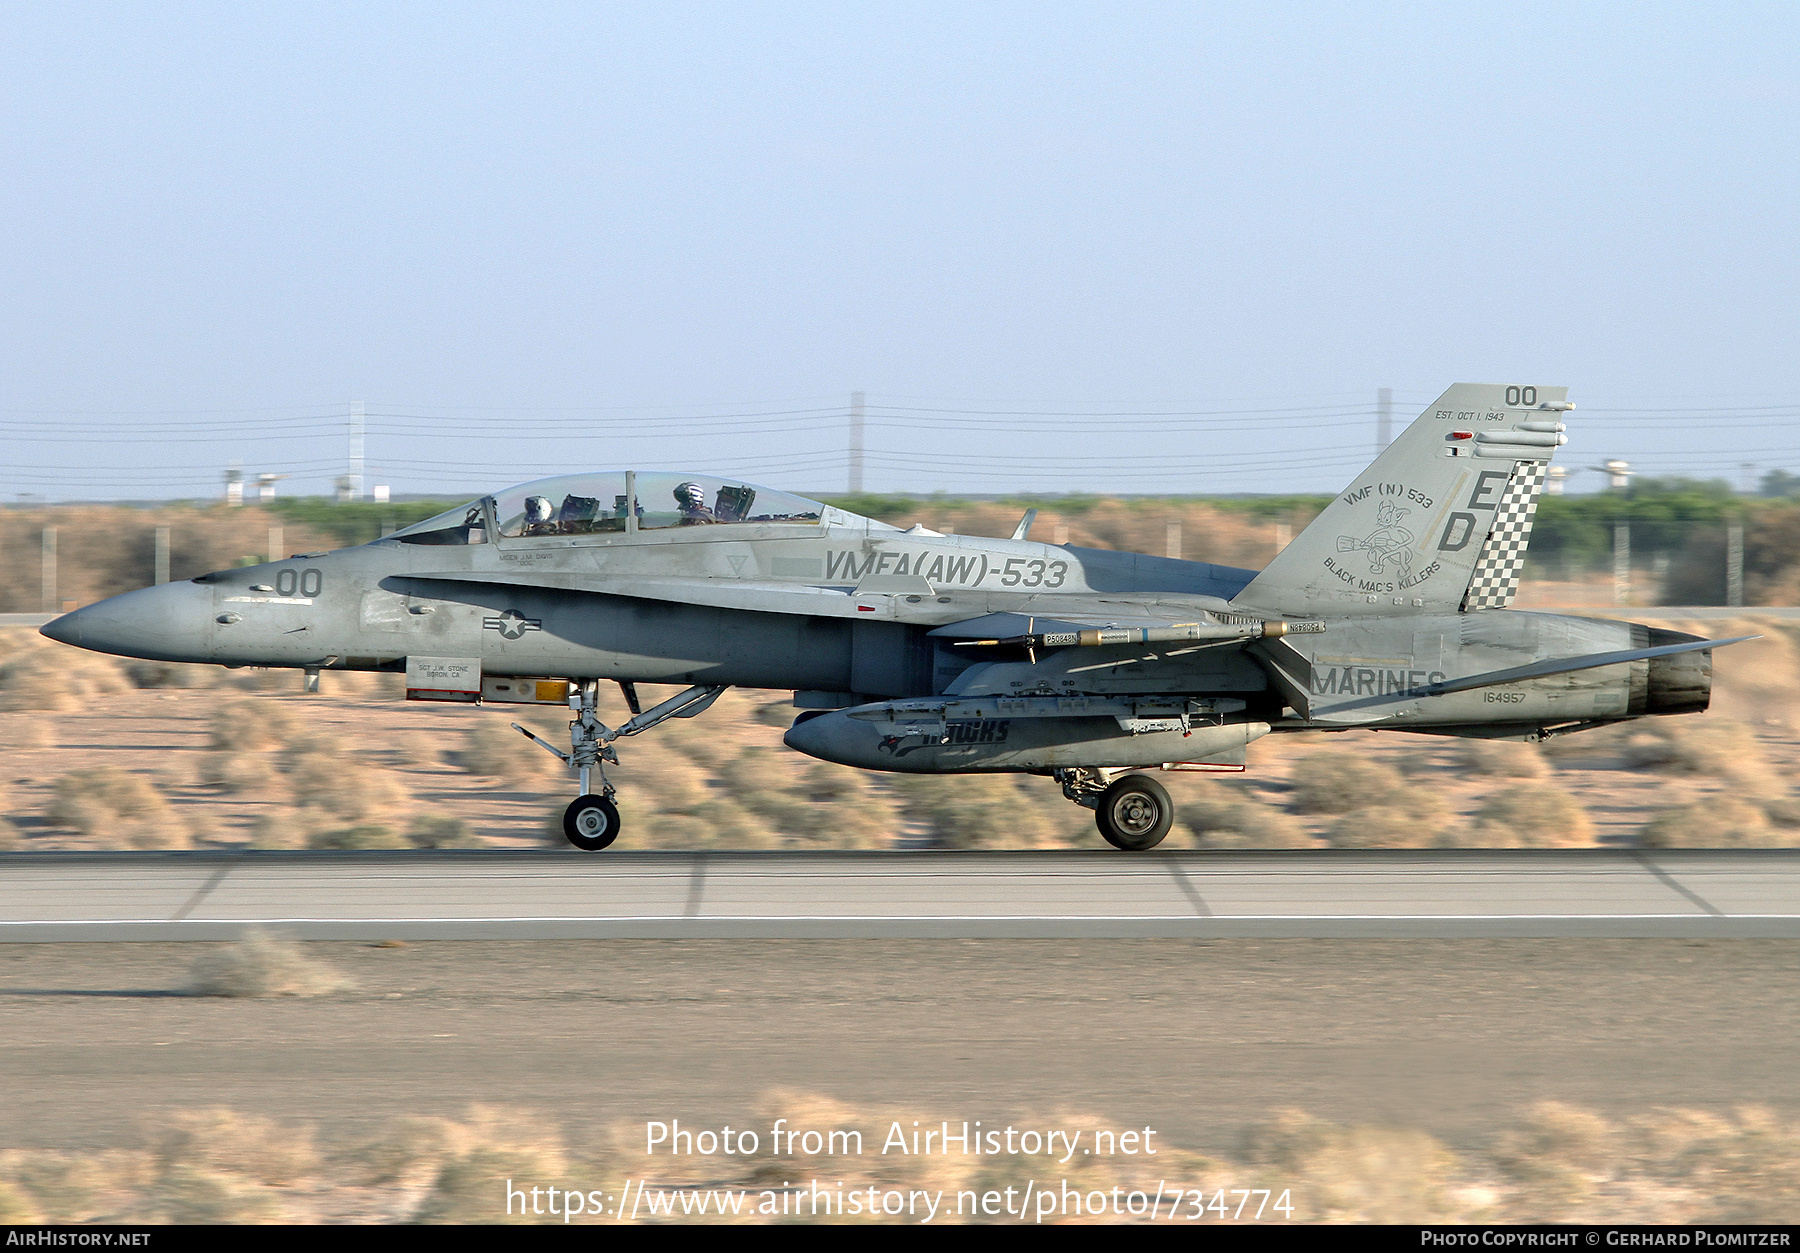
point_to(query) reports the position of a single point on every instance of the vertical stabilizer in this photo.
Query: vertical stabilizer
(1438, 523)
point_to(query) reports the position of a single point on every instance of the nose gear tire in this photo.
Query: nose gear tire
(1134, 813)
(591, 823)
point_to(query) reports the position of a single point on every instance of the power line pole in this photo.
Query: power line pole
(1621, 562)
(856, 443)
(47, 570)
(1384, 418)
(1734, 562)
(356, 450)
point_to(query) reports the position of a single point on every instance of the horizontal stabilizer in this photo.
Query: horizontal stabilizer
(1536, 670)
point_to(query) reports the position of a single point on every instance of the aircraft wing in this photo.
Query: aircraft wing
(1072, 611)
(825, 602)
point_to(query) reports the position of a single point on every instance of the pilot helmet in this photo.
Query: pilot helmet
(690, 496)
(537, 509)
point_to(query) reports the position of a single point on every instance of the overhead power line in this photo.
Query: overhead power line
(1207, 446)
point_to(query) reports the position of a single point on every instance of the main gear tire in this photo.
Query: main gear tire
(591, 823)
(1135, 813)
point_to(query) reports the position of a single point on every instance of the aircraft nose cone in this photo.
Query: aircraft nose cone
(172, 622)
(64, 630)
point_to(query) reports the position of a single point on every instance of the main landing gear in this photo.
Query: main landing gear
(1133, 811)
(591, 822)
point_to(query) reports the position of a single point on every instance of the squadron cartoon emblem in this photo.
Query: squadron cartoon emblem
(1388, 542)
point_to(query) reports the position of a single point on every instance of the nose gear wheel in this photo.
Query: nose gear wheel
(591, 823)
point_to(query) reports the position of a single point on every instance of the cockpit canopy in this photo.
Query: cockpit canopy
(461, 525)
(583, 504)
(590, 504)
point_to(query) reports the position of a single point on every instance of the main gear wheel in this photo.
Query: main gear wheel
(1135, 813)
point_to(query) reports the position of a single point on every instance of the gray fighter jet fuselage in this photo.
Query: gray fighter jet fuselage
(908, 650)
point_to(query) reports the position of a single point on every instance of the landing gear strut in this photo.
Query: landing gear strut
(591, 822)
(1133, 811)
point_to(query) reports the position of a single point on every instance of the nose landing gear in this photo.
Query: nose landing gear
(591, 822)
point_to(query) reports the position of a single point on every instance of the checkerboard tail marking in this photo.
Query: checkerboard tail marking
(1495, 579)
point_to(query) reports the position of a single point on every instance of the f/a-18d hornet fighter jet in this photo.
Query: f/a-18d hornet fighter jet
(908, 650)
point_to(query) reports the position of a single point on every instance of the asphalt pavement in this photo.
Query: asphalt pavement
(553, 895)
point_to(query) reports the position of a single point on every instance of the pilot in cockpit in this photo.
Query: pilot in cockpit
(690, 498)
(537, 517)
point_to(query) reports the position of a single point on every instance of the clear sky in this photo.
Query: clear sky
(534, 238)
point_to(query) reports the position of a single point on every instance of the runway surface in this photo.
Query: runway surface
(546, 895)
